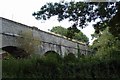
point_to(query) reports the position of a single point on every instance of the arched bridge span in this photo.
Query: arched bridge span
(10, 31)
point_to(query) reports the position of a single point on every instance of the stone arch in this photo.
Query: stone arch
(53, 56)
(50, 52)
(71, 55)
(15, 51)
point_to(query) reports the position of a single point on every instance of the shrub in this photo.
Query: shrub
(70, 58)
(49, 67)
(52, 56)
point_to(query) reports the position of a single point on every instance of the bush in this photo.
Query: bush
(53, 57)
(70, 58)
(49, 67)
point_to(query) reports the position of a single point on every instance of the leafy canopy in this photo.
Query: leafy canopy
(70, 32)
(59, 30)
(106, 44)
(83, 12)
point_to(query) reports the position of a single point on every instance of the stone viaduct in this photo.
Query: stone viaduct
(10, 30)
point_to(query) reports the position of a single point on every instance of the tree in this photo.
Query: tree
(59, 30)
(83, 12)
(81, 37)
(106, 44)
(70, 32)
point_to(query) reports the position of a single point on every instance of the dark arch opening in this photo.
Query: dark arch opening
(70, 57)
(50, 52)
(52, 55)
(15, 51)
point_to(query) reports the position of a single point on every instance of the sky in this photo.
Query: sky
(21, 11)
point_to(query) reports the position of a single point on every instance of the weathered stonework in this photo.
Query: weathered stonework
(10, 30)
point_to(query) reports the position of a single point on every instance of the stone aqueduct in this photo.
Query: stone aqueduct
(10, 30)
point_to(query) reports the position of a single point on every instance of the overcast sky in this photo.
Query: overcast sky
(21, 11)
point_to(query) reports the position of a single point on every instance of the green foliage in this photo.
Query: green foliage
(52, 56)
(59, 30)
(45, 67)
(80, 37)
(35, 67)
(106, 44)
(71, 32)
(70, 58)
(83, 12)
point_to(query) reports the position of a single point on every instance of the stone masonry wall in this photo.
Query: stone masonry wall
(11, 30)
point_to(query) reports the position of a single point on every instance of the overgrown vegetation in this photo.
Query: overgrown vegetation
(52, 67)
(106, 44)
(105, 63)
